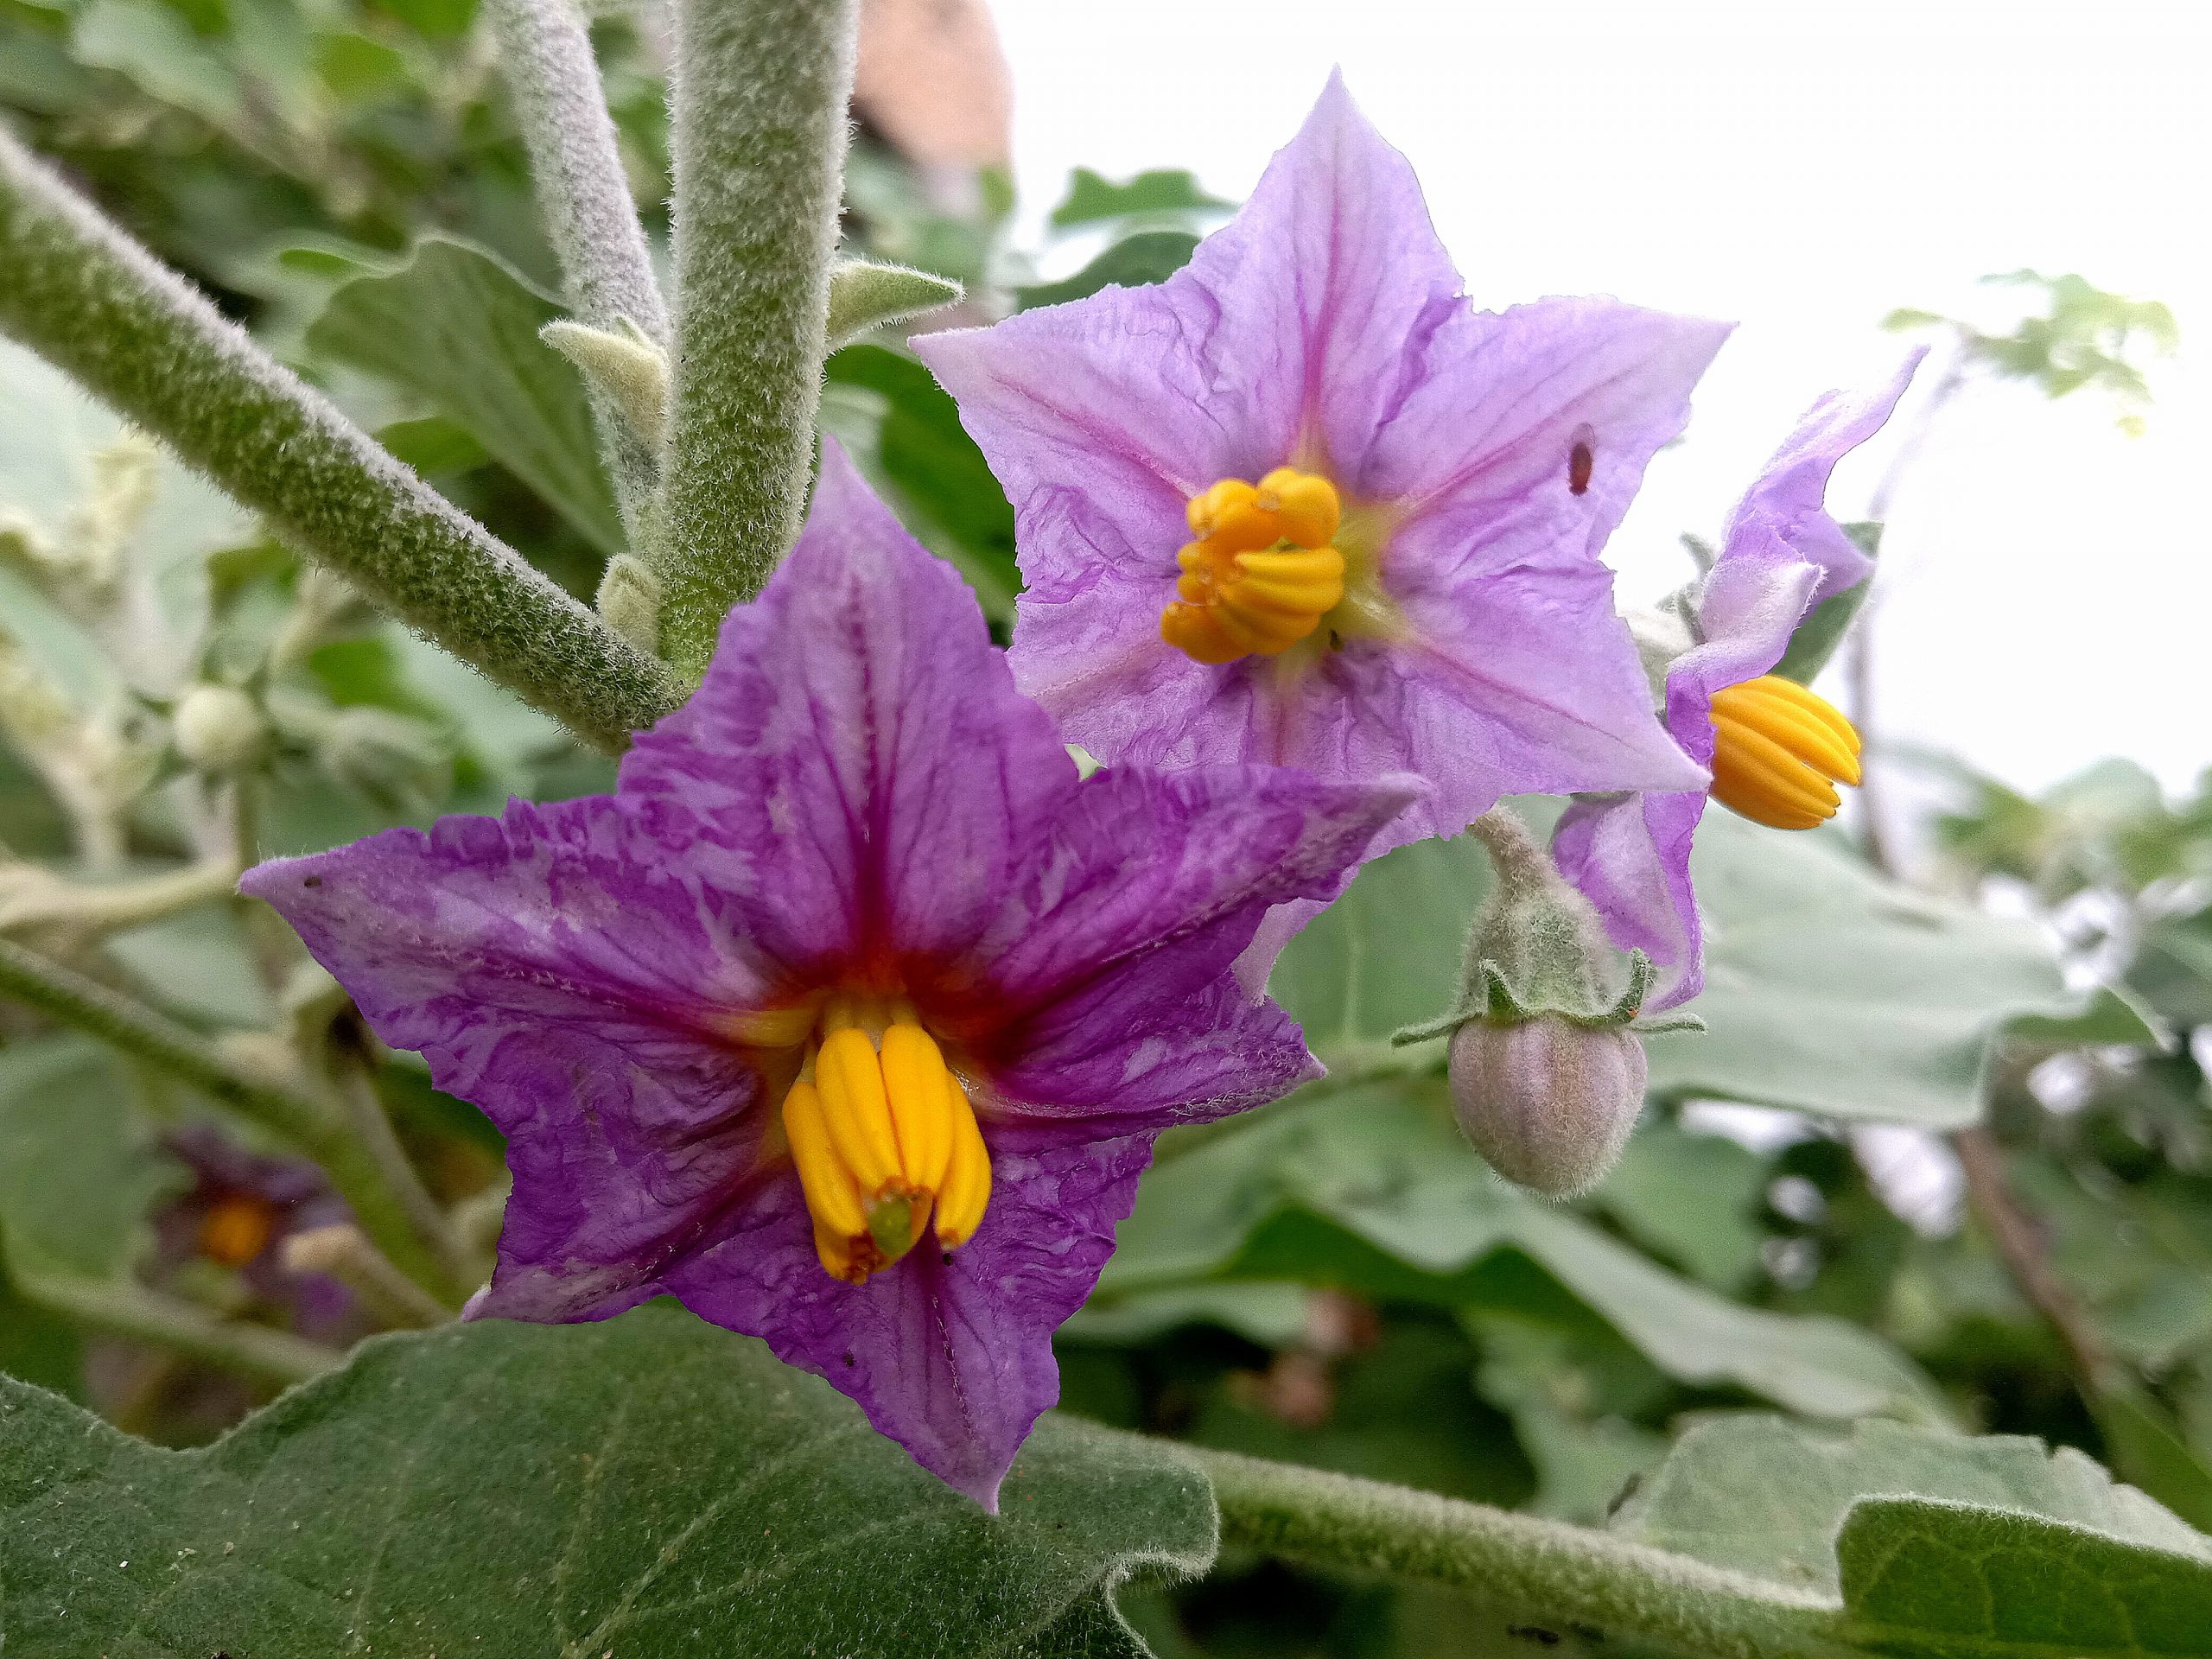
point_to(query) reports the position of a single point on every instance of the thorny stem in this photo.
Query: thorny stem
(1545, 1573)
(293, 1117)
(123, 1309)
(758, 105)
(607, 270)
(100, 306)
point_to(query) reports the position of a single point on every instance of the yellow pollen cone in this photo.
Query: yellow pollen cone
(1262, 573)
(1779, 751)
(884, 1141)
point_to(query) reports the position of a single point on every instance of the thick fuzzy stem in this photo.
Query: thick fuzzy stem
(1543, 1572)
(290, 1115)
(606, 271)
(759, 95)
(97, 306)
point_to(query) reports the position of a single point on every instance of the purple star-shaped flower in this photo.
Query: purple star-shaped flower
(1406, 579)
(855, 880)
(1781, 556)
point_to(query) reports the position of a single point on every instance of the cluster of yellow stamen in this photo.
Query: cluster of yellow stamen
(1779, 751)
(1261, 573)
(237, 1228)
(885, 1139)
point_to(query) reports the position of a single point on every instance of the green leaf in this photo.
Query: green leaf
(648, 1487)
(1169, 191)
(460, 328)
(1765, 1495)
(1926, 1578)
(1819, 635)
(931, 465)
(1692, 1199)
(1372, 1188)
(1148, 256)
(1832, 991)
(1387, 953)
(76, 1177)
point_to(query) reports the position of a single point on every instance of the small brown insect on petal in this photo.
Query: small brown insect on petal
(1581, 459)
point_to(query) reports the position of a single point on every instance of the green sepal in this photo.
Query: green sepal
(864, 295)
(1490, 997)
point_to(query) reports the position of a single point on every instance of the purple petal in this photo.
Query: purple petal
(1114, 958)
(949, 1354)
(859, 744)
(561, 967)
(1787, 503)
(1631, 855)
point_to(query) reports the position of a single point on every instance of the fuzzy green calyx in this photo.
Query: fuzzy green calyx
(1538, 951)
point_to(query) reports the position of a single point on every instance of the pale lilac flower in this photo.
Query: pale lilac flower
(1302, 504)
(850, 1017)
(1781, 554)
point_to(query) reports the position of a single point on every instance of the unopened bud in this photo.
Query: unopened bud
(218, 729)
(1547, 1101)
(1546, 1065)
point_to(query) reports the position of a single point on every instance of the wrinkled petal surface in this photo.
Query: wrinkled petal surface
(857, 798)
(561, 967)
(1324, 327)
(951, 1356)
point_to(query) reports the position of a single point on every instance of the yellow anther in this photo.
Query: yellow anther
(1262, 573)
(967, 1191)
(833, 1198)
(1304, 505)
(1779, 751)
(915, 1078)
(883, 1138)
(857, 1108)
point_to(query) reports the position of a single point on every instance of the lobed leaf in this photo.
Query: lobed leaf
(648, 1486)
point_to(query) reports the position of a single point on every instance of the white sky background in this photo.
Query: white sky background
(1802, 168)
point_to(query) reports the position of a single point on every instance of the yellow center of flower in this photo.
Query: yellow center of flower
(1263, 572)
(1779, 751)
(885, 1139)
(237, 1228)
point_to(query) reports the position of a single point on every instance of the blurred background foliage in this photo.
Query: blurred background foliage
(1806, 1223)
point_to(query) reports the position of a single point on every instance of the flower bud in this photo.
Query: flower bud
(218, 728)
(1548, 1102)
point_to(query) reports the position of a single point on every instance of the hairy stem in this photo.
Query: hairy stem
(606, 271)
(759, 107)
(123, 1309)
(95, 304)
(286, 1113)
(1544, 1572)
